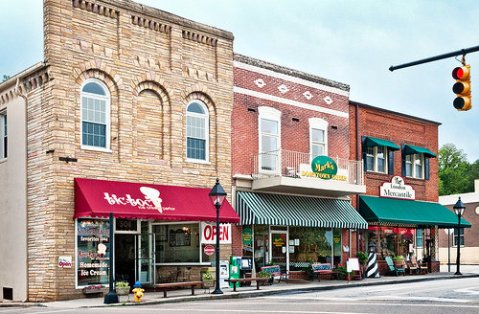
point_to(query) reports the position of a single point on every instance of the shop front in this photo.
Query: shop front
(161, 233)
(293, 231)
(405, 228)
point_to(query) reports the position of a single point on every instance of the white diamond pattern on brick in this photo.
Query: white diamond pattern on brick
(307, 95)
(283, 88)
(328, 100)
(260, 83)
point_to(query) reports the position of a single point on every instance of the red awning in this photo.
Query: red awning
(97, 198)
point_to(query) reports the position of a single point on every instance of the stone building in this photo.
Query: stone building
(129, 102)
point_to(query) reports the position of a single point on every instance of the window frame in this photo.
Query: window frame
(3, 134)
(206, 117)
(320, 125)
(410, 160)
(375, 157)
(107, 99)
(270, 114)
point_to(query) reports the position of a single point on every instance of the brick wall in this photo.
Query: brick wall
(399, 129)
(153, 64)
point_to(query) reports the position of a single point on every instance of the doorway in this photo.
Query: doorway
(125, 258)
(279, 249)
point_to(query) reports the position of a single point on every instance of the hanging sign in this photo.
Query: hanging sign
(397, 189)
(322, 167)
(208, 233)
(247, 236)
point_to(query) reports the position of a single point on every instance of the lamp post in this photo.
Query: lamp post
(459, 210)
(217, 196)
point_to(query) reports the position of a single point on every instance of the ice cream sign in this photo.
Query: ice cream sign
(322, 167)
(150, 200)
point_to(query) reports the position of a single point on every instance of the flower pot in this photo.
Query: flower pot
(123, 290)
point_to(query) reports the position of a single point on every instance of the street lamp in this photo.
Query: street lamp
(217, 196)
(459, 210)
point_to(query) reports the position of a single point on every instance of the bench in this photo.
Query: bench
(275, 272)
(172, 285)
(258, 281)
(321, 269)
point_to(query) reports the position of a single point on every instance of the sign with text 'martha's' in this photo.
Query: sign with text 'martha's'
(397, 189)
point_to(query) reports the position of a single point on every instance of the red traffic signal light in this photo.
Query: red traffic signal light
(462, 87)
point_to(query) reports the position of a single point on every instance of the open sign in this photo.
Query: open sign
(209, 233)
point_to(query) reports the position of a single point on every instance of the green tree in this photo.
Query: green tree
(455, 172)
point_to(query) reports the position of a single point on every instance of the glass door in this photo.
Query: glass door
(144, 258)
(279, 249)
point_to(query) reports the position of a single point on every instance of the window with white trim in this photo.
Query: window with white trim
(414, 166)
(95, 115)
(318, 130)
(269, 139)
(376, 159)
(3, 135)
(197, 132)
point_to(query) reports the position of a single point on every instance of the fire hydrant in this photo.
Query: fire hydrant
(138, 292)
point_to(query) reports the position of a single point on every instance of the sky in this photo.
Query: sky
(350, 41)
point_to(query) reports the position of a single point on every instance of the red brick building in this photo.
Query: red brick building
(292, 213)
(398, 152)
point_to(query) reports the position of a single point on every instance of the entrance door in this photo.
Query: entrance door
(125, 257)
(144, 261)
(279, 249)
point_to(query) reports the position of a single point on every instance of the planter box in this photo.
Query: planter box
(123, 290)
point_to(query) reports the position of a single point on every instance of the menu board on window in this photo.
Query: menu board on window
(93, 245)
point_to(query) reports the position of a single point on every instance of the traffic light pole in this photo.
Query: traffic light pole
(439, 57)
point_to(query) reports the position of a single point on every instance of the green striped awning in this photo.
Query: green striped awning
(411, 149)
(373, 141)
(292, 210)
(390, 211)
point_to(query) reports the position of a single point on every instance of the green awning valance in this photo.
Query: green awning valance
(390, 211)
(373, 141)
(411, 149)
(292, 210)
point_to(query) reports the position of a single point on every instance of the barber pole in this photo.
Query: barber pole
(372, 270)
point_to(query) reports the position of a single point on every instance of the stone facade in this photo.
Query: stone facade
(153, 63)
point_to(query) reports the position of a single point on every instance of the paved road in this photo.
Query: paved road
(429, 297)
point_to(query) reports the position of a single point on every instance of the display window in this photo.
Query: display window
(93, 246)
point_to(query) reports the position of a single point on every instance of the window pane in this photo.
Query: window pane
(317, 150)
(408, 166)
(269, 143)
(418, 167)
(195, 107)
(317, 135)
(419, 238)
(269, 126)
(381, 152)
(196, 148)
(177, 243)
(94, 88)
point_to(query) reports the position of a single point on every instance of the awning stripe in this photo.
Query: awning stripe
(381, 210)
(373, 141)
(292, 210)
(411, 149)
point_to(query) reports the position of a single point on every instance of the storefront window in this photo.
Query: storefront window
(314, 245)
(177, 243)
(419, 238)
(391, 241)
(261, 245)
(93, 245)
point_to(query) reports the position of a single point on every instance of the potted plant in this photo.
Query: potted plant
(122, 287)
(399, 261)
(363, 261)
(341, 272)
(265, 274)
(207, 278)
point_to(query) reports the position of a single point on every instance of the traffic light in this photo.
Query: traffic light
(462, 87)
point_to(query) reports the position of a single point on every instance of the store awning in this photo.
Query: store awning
(291, 210)
(97, 198)
(373, 141)
(411, 149)
(390, 211)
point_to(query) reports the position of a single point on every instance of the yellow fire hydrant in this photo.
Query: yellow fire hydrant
(138, 292)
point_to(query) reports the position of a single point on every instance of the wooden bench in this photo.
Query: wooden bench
(275, 272)
(321, 269)
(172, 285)
(258, 281)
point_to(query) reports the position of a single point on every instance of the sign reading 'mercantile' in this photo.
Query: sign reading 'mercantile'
(397, 189)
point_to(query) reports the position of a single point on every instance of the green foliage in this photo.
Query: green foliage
(263, 274)
(122, 284)
(206, 275)
(456, 174)
(362, 257)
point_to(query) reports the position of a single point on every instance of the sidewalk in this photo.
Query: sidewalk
(184, 295)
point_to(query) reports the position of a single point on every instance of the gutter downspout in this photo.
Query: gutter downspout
(356, 129)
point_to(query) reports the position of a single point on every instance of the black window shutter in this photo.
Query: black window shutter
(426, 168)
(403, 161)
(390, 161)
(364, 151)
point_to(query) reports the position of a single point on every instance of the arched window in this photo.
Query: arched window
(95, 115)
(197, 131)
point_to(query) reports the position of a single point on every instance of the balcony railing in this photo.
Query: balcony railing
(291, 164)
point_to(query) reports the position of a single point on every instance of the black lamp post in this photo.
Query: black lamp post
(217, 196)
(111, 296)
(459, 210)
